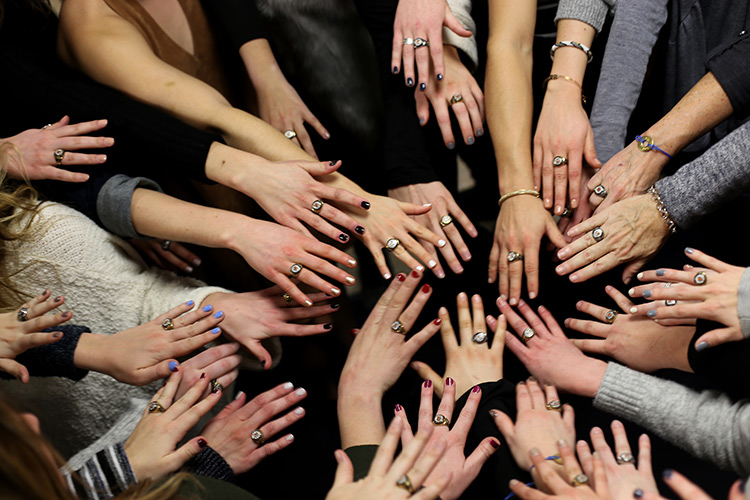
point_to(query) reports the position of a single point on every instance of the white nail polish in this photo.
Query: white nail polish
(420, 268)
(290, 437)
(196, 262)
(335, 291)
(352, 262)
(239, 394)
(441, 243)
(387, 276)
(431, 264)
(299, 411)
(633, 310)
(308, 303)
(350, 280)
(640, 276)
(427, 205)
(631, 291)
(301, 392)
(188, 269)
(288, 385)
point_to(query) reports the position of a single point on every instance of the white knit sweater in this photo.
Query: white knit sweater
(109, 288)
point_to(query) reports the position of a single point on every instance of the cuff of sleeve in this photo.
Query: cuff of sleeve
(113, 203)
(621, 391)
(126, 475)
(592, 13)
(671, 195)
(210, 463)
(56, 359)
(743, 303)
(361, 457)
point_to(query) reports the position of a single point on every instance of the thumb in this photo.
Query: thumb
(321, 167)
(184, 453)
(631, 269)
(715, 337)
(454, 24)
(589, 151)
(426, 372)
(412, 209)
(15, 369)
(480, 455)
(260, 352)
(504, 423)
(344, 470)
(163, 369)
(554, 234)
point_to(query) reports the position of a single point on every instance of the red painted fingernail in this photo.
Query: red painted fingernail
(203, 375)
(495, 444)
(438, 321)
(449, 381)
(426, 288)
(475, 389)
(414, 274)
(202, 443)
(427, 384)
(401, 277)
(399, 407)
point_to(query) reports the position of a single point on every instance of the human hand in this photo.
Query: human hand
(563, 130)
(18, 336)
(443, 204)
(460, 86)
(538, 424)
(382, 482)
(422, 19)
(272, 250)
(624, 477)
(547, 353)
(219, 363)
(256, 316)
(230, 431)
(688, 490)
(167, 254)
(628, 173)
(36, 148)
(635, 341)
(520, 227)
(464, 469)
(152, 447)
(716, 299)
(142, 354)
(469, 363)
(633, 230)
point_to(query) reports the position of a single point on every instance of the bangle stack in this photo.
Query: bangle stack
(516, 193)
(577, 45)
(668, 219)
(563, 77)
(646, 144)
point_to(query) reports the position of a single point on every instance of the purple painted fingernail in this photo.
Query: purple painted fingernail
(449, 381)
(399, 407)
(476, 389)
(189, 302)
(173, 366)
(207, 308)
(495, 444)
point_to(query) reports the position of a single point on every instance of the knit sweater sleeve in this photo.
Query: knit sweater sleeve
(104, 475)
(208, 462)
(56, 359)
(592, 12)
(718, 176)
(113, 203)
(707, 424)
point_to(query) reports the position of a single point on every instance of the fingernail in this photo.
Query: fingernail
(308, 303)
(203, 375)
(190, 302)
(350, 279)
(420, 269)
(299, 411)
(188, 269)
(422, 86)
(513, 482)
(480, 132)
(410, 82)
(493, 413)
(440, 274)
(421, 121)
(414, 274)
(401, 276)
(387, 276)
(638, 493)
(701, 346)
(335, 306)
(667, 473)
(470, 140)
(534, 451)
(476, 389)
(197, 262)
(207, 308)
(344, 237)
(216, 330)
(238, 395)
(173, 366)
(495, 444)
(431, 264)
(427, 205)
(651, 313)
(290, 437)
(300, 392)
(327, 326)
(441, 243)
(288, 385)
(395, 70)
(627, 280)
(67, 314)
(647, 293)
(639, 276)
(427, 384)
(399, 407)
(449, 381)
(365, 205)
(202, 443)
(439, 77)
(333, 162)
(219, 314)
(438, 321)
(660, 272)
(335, 291)
(631, 292)
(451, 145)
(562, 443)
(359, 230)
(689, 250)
(352, 262)
(58, 298)
(633, 310)
(57, 335)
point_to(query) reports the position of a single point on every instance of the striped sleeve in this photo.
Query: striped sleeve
(104, 475)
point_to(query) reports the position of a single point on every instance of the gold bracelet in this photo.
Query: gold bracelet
(516, 193)
(563, 77)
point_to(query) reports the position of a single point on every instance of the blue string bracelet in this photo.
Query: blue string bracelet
(554, 458)
(645, 144)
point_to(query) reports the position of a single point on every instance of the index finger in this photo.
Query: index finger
(436, 51)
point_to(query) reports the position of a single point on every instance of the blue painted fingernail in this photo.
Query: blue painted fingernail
(660, 272)
(480, 132)
(173, 366)
(216, 330)
(647, 293)
(190, 302)
(439, 77)
(451, 145)
(219, 314)
(421, 121)
(207, 308)
(638, 493)
(651, 313)
(469, 141)
(410, 82)
(701, 346)
(667, 473)
(689, 250)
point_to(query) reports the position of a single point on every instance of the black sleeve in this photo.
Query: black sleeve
(56, 359)
(361, 457)
(729, 64)
(209, 463)
(238, 20)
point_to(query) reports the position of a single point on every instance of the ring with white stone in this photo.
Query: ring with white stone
(441, 420)
(554, 405)
(257, 437)
(408, 41)
(625, 458)
(398, 327)
(610, 316)
(600, 191)
(446, 220)
(514, 256)
(392, 244)
(700, 278)
(527, 335)
(479, 338)
(580, 480)
(290, 134)
(670, 302)
(559, 161)
(597, 233)
(295, 270)
(317, 206)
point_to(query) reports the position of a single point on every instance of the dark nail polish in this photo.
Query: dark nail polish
(359, 230)
(426, 288)
(427, 384)
(344, 237)
(476, 389)
(414, 274)
(469, 141)
(495, 444)
(667, 473)
(58, 298)
(399, 407)
(440, 77)
(409, 82)
(44, 293)
(395, 70)
(638, 493)
(335, 306)
(701, 347)
(438, 321)
(327, 326)
(422, 87)
(480, 132)
(202, 443)
(365, 205)
(660, 272)
(451, 145)
(449, 381)
(647, 293)
(262, 362)
(689, 250)
(401, 276)
(67, 314)
(203, 375)
(56, 335)
(333, 162)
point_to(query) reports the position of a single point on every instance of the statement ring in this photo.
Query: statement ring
(610, 316)
(405, 483)
(700, 278)
(446, 220)
(598, 233)
(600, 191)
(398, 327)
(514, 256)
(670, 302)
(625, 458)
(580, 480)
(316, 206)
(441, 419)
(216, 386)
(155, 407)
(455, 99)
(290, 134)
(420, 42)
(59, 155)
(287, 297)
(295, 270)
(554, 405)
(559, 161)
(527, 335)
(408, 41)
(257, 437)
(479, 338)
(165, 244)
(23, 314)
(392, 244)
(167, 324)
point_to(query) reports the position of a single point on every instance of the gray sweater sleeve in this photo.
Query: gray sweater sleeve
(113, 203)
(718, 176)
(104, 475)
(593, 12)
(743, 303)
(707, 424)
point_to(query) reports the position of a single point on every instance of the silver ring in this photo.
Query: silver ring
(625, 458)
(257, 437)
(479, 338)
(59, 155)
(670, 302)
(47, 126)
(165, 244)
(559, 161)
(700, 278)
(398, 327)
(610, 316)
(527, 335)
(597, 233)
(216, 386)
(408, 41)
(317, 206)
(600, 191)
(295, 270)
(420, 42)
(290, 134)
(668, 284)
(391, 244)
(23, 314)
(514, 256)
(566, 212)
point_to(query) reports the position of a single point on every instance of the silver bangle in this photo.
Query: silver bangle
(668, 220)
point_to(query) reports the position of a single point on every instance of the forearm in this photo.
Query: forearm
(92, 353)
(360, 417)
(261, 65)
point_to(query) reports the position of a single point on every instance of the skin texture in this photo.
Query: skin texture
(36, 147)
(219, 363)
(687, 490)
(177, 258)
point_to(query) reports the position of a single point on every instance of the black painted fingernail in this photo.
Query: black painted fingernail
(335, 306)
(451, 145)
(333, 162)
(365, 205)
(395, 70)
(58, 298)
(440, 76)
(327, 326)
(359, 230)
(410, 82)
(422, 86)
(344, 237)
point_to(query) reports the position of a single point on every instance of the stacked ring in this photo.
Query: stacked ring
(559, 161)
(23, 314)
(527, 335)
(316, 207)
(167, 324)
(391, 244)
(611, 316)
(257, 437)
(216, 386)
(446, 220)
(554, 405)
(700, 278)
(295, 270)
(441, 420)
(479, 338)
(514, 256)
(398, 327)
(408, 41)
(155, 407)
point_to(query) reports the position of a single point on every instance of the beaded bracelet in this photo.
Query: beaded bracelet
(577, 45)
(668, 219)
(563, 77)
(516, 193)
(646, 143)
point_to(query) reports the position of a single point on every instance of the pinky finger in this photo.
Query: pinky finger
(269, 449)
(685, 488)
(184, 453)
(15, 369)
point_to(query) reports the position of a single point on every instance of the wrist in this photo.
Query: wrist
(91, 353)
(236, 231)
(591, 378)
(230, 167)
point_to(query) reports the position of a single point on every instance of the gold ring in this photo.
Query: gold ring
(441, 420)
(455, 99)
(527, 335)
(446, 220)
(392, 244)
(317, 205)
(155, 407)
(700, 278)
(287, 297)
(295, 270)
(514, 256)
(559, 161)
(554, 405)
(611, 316)
(580, 480)
(405, 483)
(59, 155)
(625, 458)
(257, 437)
(398, 327)
(216, 386)
(167, 324)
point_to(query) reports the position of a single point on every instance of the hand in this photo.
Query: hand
(520, 227)
(716, 300)
(469, 363)
(272, 249)
(442, 201)
(422, 19)
(388, 219)
(634, 231)
(174, 257)
(381, 481)
(142, 354)
(282, 107)
(469, 110)
(229, 431)
(635, 341)
(464, 469)
(218, 363)
(151, 448)
(256, 316)
(622, 478)
(687, 490)
(563, 130)
(628, 173)
(18, 336)
(36, 148)
(548, 355)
